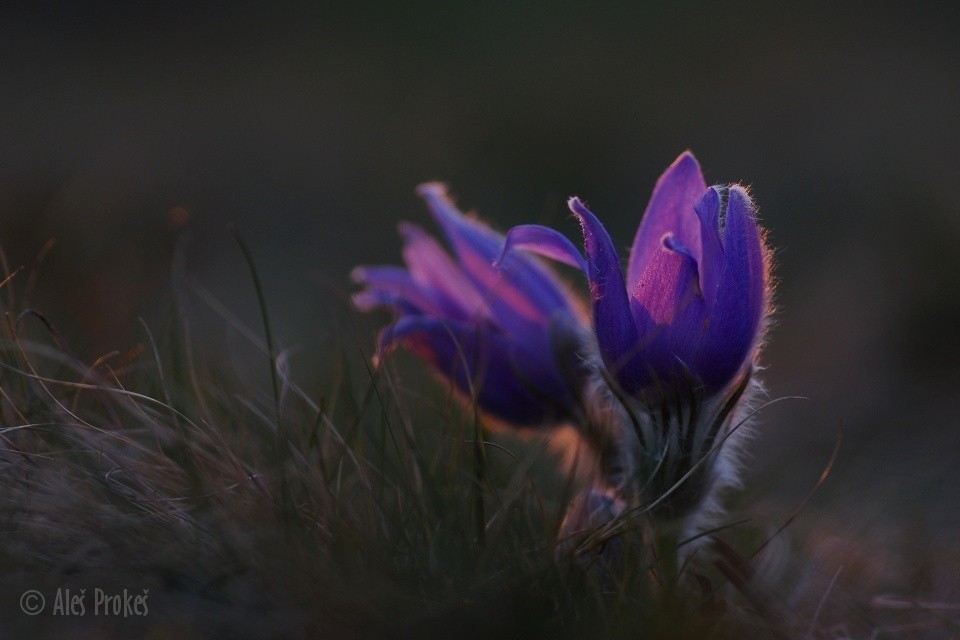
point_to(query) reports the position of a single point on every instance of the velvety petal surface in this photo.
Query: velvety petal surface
(612, 320)
(669, 313)
(522, 302)
(736, 313)
(513, 383)
(670, 211)
(456, 296)
(711, 247)
(393, 287)
(542, 241)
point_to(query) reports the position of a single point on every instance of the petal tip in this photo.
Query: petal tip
(687, 163)
(364, 301)
(576, 205)
(741, 194)
(409, 231)
(435, 188)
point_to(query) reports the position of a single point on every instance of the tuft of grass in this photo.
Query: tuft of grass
(364, 503)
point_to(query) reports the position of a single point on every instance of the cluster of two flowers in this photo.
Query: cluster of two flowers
(654, 379)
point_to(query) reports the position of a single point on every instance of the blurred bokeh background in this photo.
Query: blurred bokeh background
(134, 134)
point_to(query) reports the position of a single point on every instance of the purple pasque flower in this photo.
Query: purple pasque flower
(507, 335)
(691, 308)
(677, 335)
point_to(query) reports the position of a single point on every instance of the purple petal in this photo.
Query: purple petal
(466, 234)
(670, 211)
(711, 249)
(368, 300)
(392, 286)
(613, 323)
(512, 383)
(432, 268)
(523, 301)
(545, 242)
(670, 314)
(736, 314)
